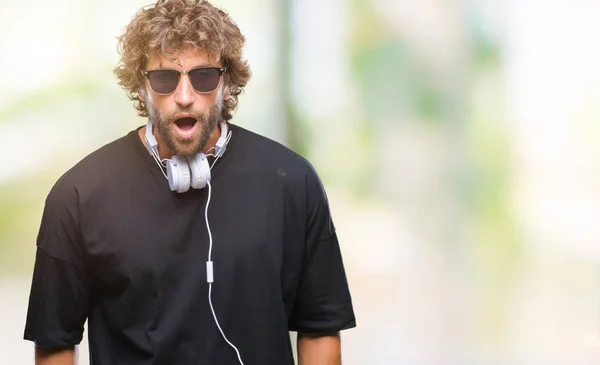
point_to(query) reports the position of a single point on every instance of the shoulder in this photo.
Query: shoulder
(272, 161)
(92, 170)
(262, 152)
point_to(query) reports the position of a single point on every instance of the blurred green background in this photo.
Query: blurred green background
(458, 142)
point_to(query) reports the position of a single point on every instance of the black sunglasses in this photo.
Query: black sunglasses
(203, 79)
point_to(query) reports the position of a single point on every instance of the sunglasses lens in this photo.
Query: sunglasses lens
(205, 79)
(164, 81)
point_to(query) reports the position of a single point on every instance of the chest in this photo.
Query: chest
(135, 240)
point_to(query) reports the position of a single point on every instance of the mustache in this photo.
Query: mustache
(198, 115)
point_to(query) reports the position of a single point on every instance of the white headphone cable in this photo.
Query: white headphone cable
(210, 275)
(220, 154)
(160, 165)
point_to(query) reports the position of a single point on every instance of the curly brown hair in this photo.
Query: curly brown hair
(170, 26)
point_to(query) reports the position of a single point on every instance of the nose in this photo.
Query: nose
(184, 94)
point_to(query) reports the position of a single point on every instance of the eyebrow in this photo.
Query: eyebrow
(160, 66)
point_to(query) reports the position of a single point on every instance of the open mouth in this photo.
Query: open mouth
(186, 127)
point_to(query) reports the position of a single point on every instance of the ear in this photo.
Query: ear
(142, 93)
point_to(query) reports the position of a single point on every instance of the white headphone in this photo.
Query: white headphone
(183, 172)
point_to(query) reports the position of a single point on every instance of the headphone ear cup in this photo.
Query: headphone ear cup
(200, 170)
(178, 174)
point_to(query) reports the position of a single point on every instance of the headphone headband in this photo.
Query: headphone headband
(151, 143)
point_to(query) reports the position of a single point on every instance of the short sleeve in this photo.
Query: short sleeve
(60, 288)
(323, 302)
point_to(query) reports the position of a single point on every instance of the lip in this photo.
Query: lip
(184, 115)
(185, 134)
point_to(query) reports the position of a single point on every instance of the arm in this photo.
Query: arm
(319, 350)
(60, 296)
(55, 357)
(323, 305)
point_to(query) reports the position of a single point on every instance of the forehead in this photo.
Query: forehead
(185, 59)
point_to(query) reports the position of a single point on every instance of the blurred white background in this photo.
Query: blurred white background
(459, 142)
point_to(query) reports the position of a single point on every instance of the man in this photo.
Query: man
(214, 264)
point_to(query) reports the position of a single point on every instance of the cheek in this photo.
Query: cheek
(161, 104)
(207, 102)
(155, 108)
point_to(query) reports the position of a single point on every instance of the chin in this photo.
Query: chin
(183, 147)
(187, 150)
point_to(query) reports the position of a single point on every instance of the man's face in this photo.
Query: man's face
(184, 119)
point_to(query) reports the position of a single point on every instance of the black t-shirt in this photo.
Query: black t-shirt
(117, 247)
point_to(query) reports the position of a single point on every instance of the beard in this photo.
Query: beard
(164, 125)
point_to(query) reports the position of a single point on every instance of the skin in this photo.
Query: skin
(312, 349)
(163, 109)
(64, 356)
(319, 350)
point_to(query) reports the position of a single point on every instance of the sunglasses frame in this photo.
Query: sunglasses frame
(221, 70)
